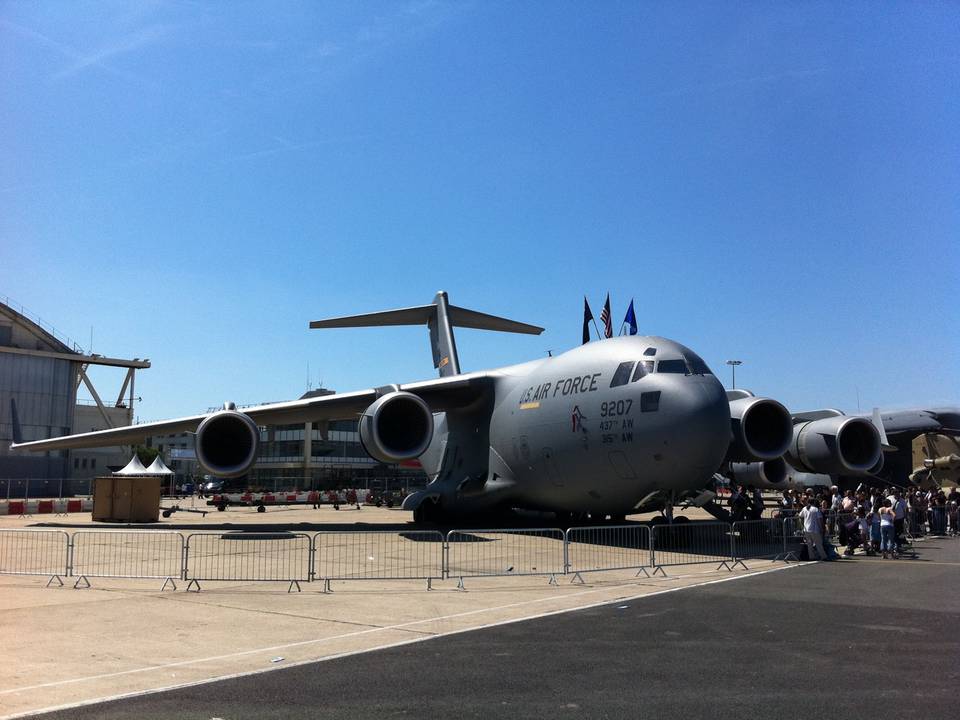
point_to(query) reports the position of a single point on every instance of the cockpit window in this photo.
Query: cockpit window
(696, 364)
(622, 375)
(648, 366)
(650, 351)
(672, 366)
(639, 372)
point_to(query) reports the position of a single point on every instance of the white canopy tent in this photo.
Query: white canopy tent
(158, 468)
(134, 467)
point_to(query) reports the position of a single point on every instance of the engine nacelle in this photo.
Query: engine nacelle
(769, 474)
(227, 443)
(762, 429)
(836, 446)
(398, 426)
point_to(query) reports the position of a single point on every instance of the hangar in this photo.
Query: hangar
(40, 373)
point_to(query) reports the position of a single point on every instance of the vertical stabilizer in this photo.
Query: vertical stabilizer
(442, 342)
(440, 317)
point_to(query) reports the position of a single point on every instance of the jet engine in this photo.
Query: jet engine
(227, 442)
(398, 426)
(769, 474)
(836, 446)
(762, 429)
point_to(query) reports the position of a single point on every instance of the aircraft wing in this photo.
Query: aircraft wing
(441, 394)
(914, 422)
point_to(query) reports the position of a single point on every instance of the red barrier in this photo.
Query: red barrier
(45, 506)
(268, 498)
(16, 507)
(291, 498)
(74, 506)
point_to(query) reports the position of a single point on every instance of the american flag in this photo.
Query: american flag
(605, 318)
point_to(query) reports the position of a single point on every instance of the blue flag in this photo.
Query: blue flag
(631, 319)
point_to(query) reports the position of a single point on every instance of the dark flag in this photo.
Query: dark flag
(587, 318)
(631, 319)
(605, 318)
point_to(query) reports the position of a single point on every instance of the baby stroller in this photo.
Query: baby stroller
(848, 534)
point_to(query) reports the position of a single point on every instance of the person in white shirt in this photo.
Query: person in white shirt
(813, 529)
(888, 534)
(899, 507)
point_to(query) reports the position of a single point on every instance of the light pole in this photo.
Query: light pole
(733, 371)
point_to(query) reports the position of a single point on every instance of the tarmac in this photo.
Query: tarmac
(858, 636)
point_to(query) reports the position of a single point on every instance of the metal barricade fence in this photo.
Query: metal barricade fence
(953, 518)
(146, 554)
(378, 555)
(242, 556)
(691, 543)
(605, 547)
(35, 552)
(915, 522)
(490, 553)
(762, 539)
(937, 516)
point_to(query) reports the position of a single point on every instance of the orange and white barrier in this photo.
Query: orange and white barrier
(45, 506)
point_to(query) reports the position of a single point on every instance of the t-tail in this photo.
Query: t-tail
(440, 317)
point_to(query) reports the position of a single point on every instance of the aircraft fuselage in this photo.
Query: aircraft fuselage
(587, 431)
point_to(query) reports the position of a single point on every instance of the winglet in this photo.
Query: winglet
(878, 423)
(17, 431)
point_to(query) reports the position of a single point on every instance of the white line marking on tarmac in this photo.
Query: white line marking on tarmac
(386, 646)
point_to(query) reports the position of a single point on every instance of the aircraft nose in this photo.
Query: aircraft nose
(703, 423)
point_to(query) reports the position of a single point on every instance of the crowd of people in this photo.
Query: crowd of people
(875, 520)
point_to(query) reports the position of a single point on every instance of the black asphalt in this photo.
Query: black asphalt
(846, 639)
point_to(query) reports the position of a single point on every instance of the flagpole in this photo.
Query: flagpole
(599, 334)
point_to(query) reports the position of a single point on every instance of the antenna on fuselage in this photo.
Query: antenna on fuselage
(440, 317)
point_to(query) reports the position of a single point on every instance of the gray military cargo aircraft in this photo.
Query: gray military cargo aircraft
(608, 428)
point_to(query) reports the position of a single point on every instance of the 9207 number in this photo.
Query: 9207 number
(615, 407)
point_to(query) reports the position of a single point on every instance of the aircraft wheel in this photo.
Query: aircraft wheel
(261, 508)
(221, 507)
(166, 513)
(681, 520)
(658, 520)
(427, 512)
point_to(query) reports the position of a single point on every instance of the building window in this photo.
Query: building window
(76, 463)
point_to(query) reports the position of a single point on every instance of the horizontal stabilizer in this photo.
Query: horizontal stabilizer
(404, 316)
(440, 317)
(421, 315)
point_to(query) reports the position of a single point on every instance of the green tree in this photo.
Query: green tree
(146, 454)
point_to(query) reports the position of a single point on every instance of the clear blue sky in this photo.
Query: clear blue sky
(775, 182)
